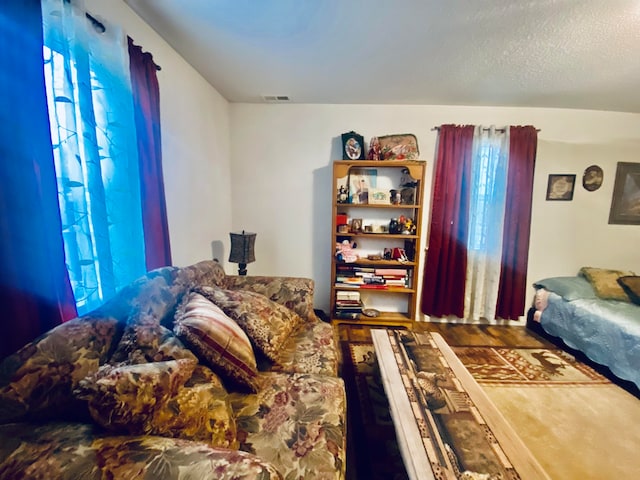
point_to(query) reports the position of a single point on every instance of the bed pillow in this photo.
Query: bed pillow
(631, 285)
(605, 282)
(217, 340)
(569, 288)
(267, 323)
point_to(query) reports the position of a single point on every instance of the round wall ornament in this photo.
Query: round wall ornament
(592, 178)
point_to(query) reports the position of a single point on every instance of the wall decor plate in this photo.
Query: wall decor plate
(592, 178)
(399, 147)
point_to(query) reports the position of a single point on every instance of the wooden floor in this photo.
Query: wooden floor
(461, 334)
(488, 335)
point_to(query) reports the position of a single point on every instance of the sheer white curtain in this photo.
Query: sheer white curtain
(93, 135)
(486, 221)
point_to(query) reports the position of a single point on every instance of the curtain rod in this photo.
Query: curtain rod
(99, 26)
(502, 130)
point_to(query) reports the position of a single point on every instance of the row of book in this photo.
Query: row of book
(348, 305)
(370, 277)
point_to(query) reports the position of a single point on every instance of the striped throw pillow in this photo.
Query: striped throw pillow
(217, 340)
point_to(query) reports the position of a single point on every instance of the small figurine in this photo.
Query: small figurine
(343, 196)
(375, 152)
(345, 253)
(408, 227)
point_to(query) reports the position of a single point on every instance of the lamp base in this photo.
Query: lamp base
(242, 269)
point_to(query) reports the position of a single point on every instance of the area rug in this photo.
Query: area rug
(575, 422)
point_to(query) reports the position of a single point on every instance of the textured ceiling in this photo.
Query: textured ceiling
(534, 53)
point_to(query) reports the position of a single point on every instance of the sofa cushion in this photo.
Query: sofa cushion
(605, 282)
(267, 323)
(217, 340)
(84, 451)
(296, 422)
(125, 398)
(311, 348)
(36, 382)
(631, 285)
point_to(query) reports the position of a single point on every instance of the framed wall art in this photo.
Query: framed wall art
(352, 146)
(625, 203)
(561, 186)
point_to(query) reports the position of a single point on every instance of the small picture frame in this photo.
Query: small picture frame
(560, 187)
(352, 146)
(378, 197)
(356, 225)
(361, 180)
(625, 202)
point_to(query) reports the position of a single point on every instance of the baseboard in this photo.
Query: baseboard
(521, 322)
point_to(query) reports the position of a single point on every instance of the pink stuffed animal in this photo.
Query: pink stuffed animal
(345, 253)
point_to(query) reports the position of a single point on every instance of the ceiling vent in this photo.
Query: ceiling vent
(276, 98)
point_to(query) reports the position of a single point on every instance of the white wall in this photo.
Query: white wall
(267, 169)
(281, 172)
(195, 143)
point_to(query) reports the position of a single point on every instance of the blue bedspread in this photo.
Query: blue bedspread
(607, 331)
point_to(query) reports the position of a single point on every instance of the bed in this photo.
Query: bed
(596, 312)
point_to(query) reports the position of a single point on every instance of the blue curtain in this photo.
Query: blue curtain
(94, 144)
(35, 294)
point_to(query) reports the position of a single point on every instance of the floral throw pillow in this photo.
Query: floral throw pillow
(148, 342)
(200, 411)
(219, 341)
(125, 398)
(266, 322)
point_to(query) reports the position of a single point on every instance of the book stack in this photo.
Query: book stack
(348, 305)
(351, 276)
(394, 277)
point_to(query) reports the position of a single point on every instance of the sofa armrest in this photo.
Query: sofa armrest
(295, 293)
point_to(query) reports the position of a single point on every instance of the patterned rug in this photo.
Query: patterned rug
(566, 413)
(526, 366)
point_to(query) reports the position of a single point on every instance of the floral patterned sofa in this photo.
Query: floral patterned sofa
(187, 373)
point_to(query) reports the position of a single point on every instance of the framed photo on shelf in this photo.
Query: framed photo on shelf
(625, 203)
(360, 181)
(561, 186)
(378, 197)
(356, 225)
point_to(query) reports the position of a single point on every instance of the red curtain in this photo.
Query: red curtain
(35, 293)
(146, 97)
(517, 223)
(446, 262)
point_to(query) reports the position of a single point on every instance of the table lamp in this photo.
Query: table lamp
(242, 250)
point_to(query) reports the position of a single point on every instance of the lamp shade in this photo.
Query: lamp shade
(242, 247)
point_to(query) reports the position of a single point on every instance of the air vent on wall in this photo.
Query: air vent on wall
(275, 98)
